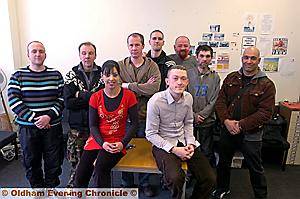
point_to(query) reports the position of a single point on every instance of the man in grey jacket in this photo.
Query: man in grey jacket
(204, 87)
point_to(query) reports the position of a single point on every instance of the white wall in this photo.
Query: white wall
(63, 24)
(6, 50)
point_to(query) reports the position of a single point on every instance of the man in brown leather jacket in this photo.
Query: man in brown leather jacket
(246, 101)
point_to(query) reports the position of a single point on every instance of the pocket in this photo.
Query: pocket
(255, 96)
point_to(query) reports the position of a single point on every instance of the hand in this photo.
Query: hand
(47, 126)
(118, 146)
(232, 126)
(151, 80)
(42, 121)
(181, 152)
(115, 147)
(199, 119)
(191, 149)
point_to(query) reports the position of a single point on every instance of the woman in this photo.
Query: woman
(108, 112)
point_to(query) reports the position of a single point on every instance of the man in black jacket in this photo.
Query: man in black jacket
(159, 56)
(81, 82)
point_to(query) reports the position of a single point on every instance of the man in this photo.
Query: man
(246, 101)
(140, 75)
(81, 82)
(204, 86)
(169, 128)
(159, 56)
(35, 95)
(182, 57)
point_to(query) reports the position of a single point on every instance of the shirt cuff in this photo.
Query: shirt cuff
(168, 147)
(125, 85)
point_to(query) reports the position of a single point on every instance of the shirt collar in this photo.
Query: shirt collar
(80, 67)
(171, 100)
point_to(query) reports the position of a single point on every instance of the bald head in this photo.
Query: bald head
(182, 47)
(182, 38)
(253, 50)
(250, 61)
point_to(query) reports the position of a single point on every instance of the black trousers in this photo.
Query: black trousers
(251, 150)
(46, 144)
(205, 136)
(105, 161)
(170, 165)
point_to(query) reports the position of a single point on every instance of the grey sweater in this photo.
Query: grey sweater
(204, 89)
(189, 63)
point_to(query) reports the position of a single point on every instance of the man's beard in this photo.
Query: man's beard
(183, 54)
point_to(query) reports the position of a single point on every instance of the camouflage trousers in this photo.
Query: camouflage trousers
(75, 144)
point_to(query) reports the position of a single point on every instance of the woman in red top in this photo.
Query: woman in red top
(109, 110)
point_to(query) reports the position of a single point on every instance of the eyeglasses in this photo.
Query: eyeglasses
(206, 56)
(253, 58)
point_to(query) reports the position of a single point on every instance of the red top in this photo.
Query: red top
(112, 125)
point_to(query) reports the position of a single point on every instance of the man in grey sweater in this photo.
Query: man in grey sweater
(182, 57)
(204, 87)
(142, 76)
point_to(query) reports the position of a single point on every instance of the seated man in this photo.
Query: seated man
(169, 127)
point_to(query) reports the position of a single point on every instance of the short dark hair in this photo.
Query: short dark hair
(157, 31)
(204, 48)
(179, 67)
(33, 42)
(87, 43)
(108, 66)
(135, 34)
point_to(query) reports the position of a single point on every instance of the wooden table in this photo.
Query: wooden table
(140, 159)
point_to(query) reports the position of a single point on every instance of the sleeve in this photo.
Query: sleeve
(133, 116)
(70, 90)
(132, 99)
(148, 89)
(188, 122)
(15, 100)
(209, 108)
(152, 126)
(94, 119)
(58, 106)
(221, 103)
(264, 111)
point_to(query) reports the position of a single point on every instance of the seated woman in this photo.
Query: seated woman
(109, 110)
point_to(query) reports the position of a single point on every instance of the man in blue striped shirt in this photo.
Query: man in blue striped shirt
(35, 95)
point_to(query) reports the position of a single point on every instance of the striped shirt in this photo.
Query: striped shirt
(32, 94)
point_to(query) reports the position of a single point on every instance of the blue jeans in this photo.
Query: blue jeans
(127, 177)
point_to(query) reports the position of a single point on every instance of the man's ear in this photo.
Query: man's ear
(167, 81)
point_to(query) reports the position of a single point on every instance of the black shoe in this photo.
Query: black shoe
(148, 191)
(220, 193)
